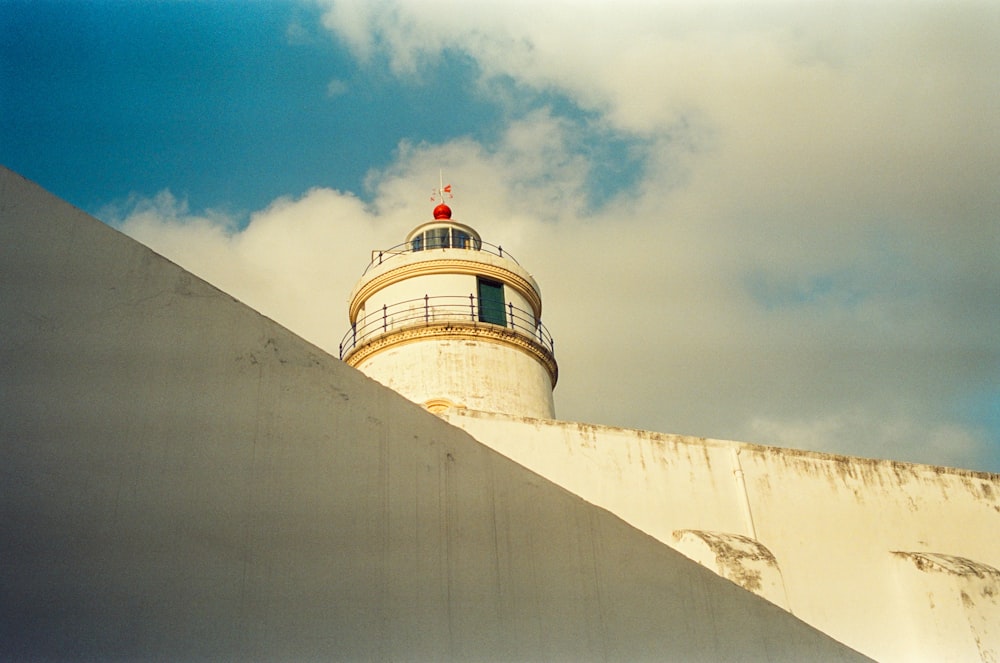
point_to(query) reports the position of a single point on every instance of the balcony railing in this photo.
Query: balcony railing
(406, 248)
(461, 310)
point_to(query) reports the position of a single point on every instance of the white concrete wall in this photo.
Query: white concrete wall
(181, 479)
(472, 373)
(834, 526)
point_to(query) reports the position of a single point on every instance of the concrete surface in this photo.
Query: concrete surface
(184, 479)
(844, 543)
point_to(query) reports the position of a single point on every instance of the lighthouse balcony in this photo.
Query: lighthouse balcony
(429, 246)
(444, 314)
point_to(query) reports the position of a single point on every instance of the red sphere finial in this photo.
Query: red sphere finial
(442, 211)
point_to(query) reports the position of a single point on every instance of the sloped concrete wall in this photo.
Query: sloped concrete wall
(183, 479)
(830, 528)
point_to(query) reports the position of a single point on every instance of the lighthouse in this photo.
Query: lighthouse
(448, 320)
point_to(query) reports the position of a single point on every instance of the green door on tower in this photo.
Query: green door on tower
(491, 304)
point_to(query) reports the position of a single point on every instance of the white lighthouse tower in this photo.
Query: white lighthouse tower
(448, 320)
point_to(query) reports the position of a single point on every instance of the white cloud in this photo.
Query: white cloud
(809, 258)
(336, 88)
(296, 33)
(293, 262)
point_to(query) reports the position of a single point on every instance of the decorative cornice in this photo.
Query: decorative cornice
(446, 266)
(456, 330)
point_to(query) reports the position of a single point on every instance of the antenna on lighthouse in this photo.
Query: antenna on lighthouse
(442, 189)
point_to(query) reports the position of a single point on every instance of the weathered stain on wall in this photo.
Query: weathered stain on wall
(829, 521)
(738, 558)
(957, 594)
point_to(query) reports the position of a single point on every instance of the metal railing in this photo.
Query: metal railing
(406, 248)
(458, 309)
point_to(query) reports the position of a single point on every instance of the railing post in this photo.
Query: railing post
(427, 311)
(380, 257)
(385, 323)
(510, 305)
(472, 308)
(341, 351)
(354, 335)
(501, 251)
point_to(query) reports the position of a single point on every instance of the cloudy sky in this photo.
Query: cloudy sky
(773, 222)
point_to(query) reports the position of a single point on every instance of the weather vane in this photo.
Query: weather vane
(442, 189)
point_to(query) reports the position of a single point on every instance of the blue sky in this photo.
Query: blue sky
(226, 103)
(773, 222)
(229, 104)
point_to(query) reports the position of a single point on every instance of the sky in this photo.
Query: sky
(775, 222)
